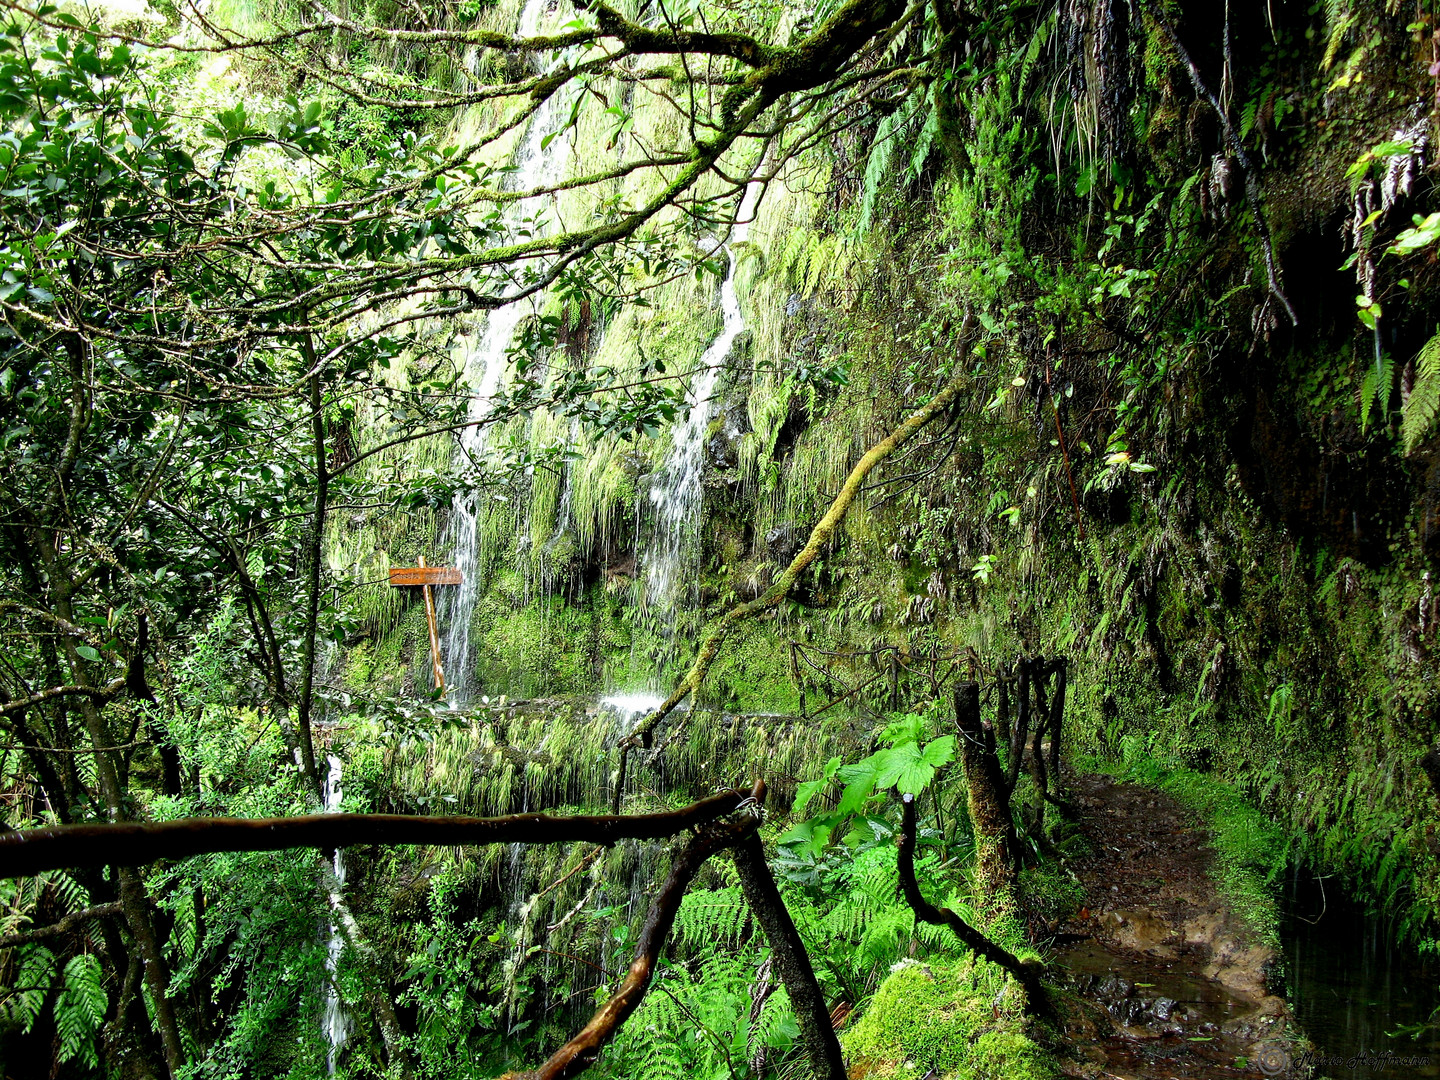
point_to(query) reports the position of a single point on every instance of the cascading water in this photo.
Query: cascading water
(536, 162)
(628, 706)
(336, 1021)
(675, 488)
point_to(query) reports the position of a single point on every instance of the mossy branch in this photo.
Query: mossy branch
(819, 537)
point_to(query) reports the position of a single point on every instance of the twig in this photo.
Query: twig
(64, 926)
(1232, 140)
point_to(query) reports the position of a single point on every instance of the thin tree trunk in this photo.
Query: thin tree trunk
(579, 1053)
(1027, 974)
(1057, 716)
(791, 960)
(134, 900)
(1002, 705)
(314, 555)
(1022, 722)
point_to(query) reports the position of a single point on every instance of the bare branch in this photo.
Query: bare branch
(29, 851)
(1026, 973)
(64, 926)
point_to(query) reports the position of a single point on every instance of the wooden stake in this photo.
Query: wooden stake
(434, 633)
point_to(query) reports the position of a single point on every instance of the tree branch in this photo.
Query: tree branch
(1026, 973)
(64, 926)
(29, 851)
(819, 537)
(579, 1053)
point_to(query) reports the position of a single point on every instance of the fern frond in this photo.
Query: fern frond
(22, 1005)
(877, 168)
(1376, 389)
(709, 917)
(1419, 412)
(1247, 117)
(72, 895)
(80, 1009)
(1339, 19)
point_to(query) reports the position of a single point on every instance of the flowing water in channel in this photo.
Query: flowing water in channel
(536, 162)
(1357, 993)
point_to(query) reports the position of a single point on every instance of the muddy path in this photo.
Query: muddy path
(1163, 981)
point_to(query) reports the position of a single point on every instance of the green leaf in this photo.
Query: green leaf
(939, 751)
(805, 792)
(911, 768)
(85, 652)
(908, 728)
(859, 781)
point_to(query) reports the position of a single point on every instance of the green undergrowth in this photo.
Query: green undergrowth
(1251, 850)
(955, 1019)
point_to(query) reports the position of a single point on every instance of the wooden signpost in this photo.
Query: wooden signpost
(427, 577)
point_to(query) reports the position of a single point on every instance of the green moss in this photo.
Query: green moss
(959, 1019)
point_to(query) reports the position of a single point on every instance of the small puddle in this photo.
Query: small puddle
(1167, 1020)
(1353, 988)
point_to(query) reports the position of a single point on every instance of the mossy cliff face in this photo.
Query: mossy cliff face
(1209, 510)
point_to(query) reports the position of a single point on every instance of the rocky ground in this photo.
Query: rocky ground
(1166, 983)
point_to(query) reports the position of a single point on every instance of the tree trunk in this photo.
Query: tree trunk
(1057, 716)
(1022, 722)
(314, 554)
(989, 803)
(791, 960)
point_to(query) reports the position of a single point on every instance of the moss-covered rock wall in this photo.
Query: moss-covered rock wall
(1227, 521)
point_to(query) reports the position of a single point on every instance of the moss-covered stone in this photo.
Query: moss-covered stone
(956, 1019)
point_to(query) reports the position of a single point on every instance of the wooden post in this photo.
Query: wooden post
(427, 577)
(434, 633)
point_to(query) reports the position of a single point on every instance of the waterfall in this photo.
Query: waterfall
(675, 488)
(629, 706)
(336, 1021)
(535, 162)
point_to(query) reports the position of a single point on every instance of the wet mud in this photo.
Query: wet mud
(1162, 981)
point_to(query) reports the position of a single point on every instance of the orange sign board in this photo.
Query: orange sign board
(424, 575)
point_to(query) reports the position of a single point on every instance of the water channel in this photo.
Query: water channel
(1360, 996)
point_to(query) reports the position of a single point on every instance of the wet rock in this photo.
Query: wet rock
(784, 542)
(720, 451)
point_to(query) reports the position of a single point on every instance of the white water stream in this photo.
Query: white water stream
(536, 163)
(670, 561)
(336, 1022)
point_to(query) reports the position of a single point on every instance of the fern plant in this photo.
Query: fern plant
(80, 1010)
(1417, 414)
(1377, 389)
